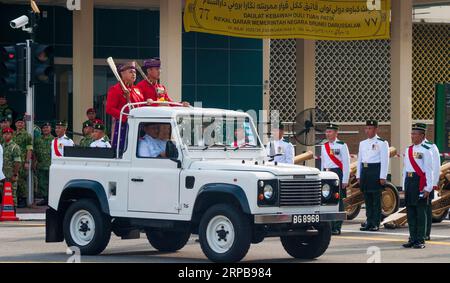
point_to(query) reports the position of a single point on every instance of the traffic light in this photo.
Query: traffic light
(13, 68)
(41, 63)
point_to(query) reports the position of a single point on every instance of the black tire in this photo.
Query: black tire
(439, 218)
(393, 196)
(242, 233)
(102, 223)
(353, 214)
(308, 247)
(168, 241)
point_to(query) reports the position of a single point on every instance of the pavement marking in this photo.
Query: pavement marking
(390, 240)
(10, 224)
(388, 233)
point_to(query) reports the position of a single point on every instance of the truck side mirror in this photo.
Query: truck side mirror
(171, 150)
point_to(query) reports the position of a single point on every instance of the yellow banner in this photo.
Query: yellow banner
(309, 19)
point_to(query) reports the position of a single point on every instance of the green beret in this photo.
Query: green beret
(46, 124)
(87, 124)
(99, 127)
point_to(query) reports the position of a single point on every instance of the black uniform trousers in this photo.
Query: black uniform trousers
(337, 225)
(429, 214)
(372, 189)
(416, 208)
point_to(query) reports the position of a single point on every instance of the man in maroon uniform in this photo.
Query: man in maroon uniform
(151, 88)
(118, 97)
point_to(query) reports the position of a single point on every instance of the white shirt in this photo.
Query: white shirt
(340, 150)
(61, 143)
(2, 176)
(148, 147)
(101, 143)
(374, 150)
(284, 149)
(424, 160)
(436, 161)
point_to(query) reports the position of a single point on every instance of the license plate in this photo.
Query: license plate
(305, 218)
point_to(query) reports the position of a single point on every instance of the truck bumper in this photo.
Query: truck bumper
(287, 218)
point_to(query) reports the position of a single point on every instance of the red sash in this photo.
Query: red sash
(422, 176)
(55, 147)
(332, 156)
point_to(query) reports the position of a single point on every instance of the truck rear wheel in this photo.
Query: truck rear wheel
(308, 247)
(225, 233)
(86, 227)
(168, 241)
(390, 200)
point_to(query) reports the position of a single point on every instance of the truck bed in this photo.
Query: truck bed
(90, 152)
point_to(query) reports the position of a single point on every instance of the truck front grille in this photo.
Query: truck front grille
(300, 192)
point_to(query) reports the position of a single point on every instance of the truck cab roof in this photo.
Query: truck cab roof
(169, 112)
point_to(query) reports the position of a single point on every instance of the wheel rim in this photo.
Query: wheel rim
(351, 209)
(388, 201)
(220, 234)
(82, 227)
(439, 214)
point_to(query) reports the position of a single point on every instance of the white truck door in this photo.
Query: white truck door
(153, 180)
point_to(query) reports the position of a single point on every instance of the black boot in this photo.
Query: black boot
(21, 203)
(42, 202)
(409, 244)
(419, 245)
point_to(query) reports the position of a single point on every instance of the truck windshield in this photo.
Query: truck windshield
(217, 132)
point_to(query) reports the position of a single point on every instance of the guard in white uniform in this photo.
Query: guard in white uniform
(99, 136)
(336, 158)
(436, 172)
(372, 170)
(61, 140)
(280, 150)
(417, 183)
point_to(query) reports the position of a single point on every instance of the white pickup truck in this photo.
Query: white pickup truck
(211, 178)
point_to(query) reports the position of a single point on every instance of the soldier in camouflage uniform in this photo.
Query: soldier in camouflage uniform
(4, 123)
(5, 110)
(25, 141)
(43, 153)
(88, 129)
(11, 160)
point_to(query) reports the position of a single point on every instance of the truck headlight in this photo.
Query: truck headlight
(268, 192)
(326, 190)
(330, 192)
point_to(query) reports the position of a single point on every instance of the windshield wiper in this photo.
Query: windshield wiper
(245, 145)
(215, 144)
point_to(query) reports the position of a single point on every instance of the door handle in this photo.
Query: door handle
(137, 180)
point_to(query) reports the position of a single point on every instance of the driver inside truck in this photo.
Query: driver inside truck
(148, 145)
(165, 134)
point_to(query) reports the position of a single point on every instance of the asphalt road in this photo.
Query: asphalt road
(24, 242)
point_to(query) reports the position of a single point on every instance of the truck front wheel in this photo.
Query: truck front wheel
(86, 227)
(225, 233)
(168, 241)
(308, 247)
